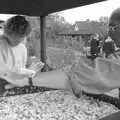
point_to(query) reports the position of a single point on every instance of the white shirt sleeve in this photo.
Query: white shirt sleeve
(3, 66)
(8, 73)
(24, 58)
(23, 68)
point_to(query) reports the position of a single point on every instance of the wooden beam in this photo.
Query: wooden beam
(43, 42)
(114, 116)
(119, 93)
(40, 7)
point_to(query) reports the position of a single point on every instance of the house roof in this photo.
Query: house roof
(40, 7)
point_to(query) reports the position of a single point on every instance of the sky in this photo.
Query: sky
(92, 12)
(5, 16)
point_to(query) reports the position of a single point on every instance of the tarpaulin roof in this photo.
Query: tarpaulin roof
(40, 7)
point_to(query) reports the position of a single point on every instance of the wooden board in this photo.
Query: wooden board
(115, 116)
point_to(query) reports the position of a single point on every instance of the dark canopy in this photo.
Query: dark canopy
(40, 7)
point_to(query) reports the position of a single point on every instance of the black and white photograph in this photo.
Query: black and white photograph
(60, 60)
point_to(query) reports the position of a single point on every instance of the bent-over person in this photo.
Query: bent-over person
(13, 58)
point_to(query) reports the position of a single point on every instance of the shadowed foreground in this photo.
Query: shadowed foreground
(55, 105)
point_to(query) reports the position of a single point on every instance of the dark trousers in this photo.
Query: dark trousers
(3, 82)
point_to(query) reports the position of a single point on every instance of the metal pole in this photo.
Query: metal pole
(43, 43)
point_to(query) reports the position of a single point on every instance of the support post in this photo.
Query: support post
(119, 93)
(43, 43)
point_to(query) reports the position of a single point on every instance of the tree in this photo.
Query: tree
(56, 24)
(104, 20)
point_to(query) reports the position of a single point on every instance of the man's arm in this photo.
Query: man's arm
(12, 77)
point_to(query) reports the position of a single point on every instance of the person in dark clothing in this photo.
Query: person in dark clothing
(94, 47)
(108, 48)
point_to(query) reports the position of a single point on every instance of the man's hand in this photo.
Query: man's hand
(36, 66)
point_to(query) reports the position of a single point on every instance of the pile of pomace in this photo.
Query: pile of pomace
(53, 105)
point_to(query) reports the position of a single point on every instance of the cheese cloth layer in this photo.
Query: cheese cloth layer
(102, 78)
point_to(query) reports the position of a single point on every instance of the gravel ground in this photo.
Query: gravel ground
(53, 105)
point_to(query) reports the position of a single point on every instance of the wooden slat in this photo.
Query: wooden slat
(119, 93)
(105, 98)
(115, 116)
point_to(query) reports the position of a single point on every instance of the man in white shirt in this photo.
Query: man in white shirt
(13, 53)
(13, 57)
